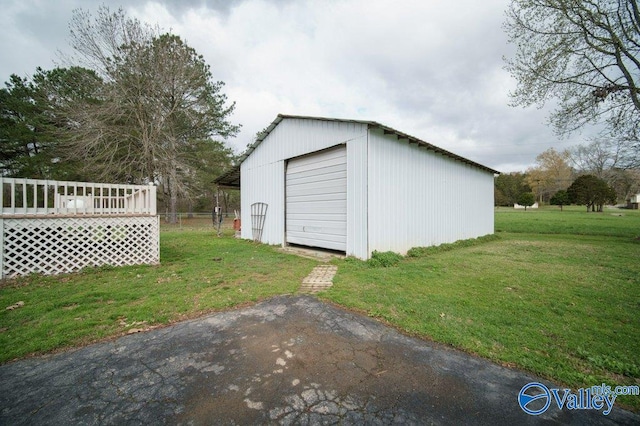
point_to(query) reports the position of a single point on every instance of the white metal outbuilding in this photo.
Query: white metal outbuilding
(359, 186)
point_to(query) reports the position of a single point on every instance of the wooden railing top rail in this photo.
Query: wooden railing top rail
(26, 197)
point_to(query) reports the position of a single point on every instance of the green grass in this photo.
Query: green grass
(554, 293)
(561, 304)
(572, 220)
(200, 273)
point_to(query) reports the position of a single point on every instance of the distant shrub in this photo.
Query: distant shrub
(384, 259)
(425, 251)
(352, 259)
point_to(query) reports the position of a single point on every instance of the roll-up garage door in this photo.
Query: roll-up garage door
(316, 205)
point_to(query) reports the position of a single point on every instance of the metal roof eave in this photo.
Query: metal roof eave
(386, 129)
(231, 178)
(430, 147)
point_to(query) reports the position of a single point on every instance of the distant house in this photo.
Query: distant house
(518, 206)
(357, 186)
(633, 202)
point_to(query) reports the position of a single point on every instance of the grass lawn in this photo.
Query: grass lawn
(555, 293)
(200, 273)
(572, 220)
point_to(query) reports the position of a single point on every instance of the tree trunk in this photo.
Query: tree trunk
(225, 200)
(173, 201)
(173, 208)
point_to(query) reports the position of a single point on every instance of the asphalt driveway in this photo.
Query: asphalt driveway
(288, 360)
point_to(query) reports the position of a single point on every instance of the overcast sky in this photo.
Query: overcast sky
(429, 68)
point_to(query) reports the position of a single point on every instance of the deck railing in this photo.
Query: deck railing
(31, 197)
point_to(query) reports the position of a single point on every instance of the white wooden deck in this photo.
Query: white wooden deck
(53, 227)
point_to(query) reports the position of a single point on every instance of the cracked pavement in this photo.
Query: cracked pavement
(288, 360)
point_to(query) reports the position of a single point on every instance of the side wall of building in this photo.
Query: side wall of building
(417, 197)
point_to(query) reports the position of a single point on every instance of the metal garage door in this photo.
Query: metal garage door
(316, 206)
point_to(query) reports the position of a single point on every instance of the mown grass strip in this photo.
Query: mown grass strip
(572, 220)
(562, 306)
(555, 293)
(200, 273)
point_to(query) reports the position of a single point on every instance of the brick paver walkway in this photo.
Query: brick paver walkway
(321, 278)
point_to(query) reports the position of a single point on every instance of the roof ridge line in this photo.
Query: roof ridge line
(235, 170)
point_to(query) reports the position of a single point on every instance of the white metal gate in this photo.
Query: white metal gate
(316, 199)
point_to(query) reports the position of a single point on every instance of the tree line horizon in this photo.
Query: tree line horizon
(586, 175)
(136, 104)
(132, 104)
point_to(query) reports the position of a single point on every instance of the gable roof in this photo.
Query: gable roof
(232, 177)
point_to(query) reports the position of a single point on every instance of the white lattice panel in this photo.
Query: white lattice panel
(59, 245)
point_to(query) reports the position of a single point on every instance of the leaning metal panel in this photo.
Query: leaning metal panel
(59, 245)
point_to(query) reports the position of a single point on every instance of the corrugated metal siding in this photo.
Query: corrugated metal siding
(255, 189)
(398, 195)
(357, 213)
(263, 172)
(420, 198)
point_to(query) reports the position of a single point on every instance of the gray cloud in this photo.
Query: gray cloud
(224, 7)
(432, 69)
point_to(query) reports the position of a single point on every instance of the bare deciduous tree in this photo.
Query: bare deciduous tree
(585, 54)
(157, 100)
(551, 174)
(597, 157)
(612, 160)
